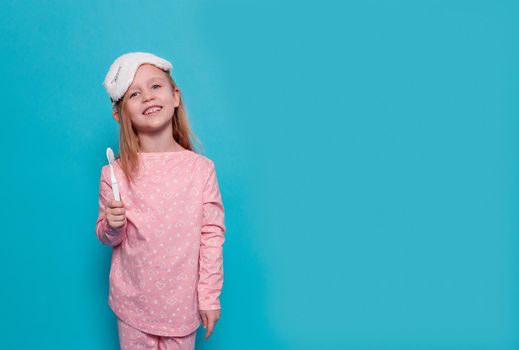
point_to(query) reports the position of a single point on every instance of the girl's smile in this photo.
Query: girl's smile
(152, 110)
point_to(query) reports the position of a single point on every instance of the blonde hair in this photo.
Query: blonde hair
(129, 144)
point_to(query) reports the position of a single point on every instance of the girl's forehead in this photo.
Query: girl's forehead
(147, 72)
(147, 69)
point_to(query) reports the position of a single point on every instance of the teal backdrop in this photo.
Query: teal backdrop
(367, 153)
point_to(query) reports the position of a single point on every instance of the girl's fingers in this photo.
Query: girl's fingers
(116, 211)
(117, 217)
(116, 220)
(115, 204)
(210, 328)
(116, 223)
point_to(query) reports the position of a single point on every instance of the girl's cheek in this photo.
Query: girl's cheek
(133, 108)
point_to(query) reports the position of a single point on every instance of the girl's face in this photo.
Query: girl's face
(149, 101)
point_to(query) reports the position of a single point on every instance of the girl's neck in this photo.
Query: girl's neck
(158, 144)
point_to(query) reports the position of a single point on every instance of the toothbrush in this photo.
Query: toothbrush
(111, 160)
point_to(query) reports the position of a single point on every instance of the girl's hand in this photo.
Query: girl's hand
(209, 318)
(115, 214)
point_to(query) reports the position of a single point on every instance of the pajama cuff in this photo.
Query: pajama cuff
(215, 305)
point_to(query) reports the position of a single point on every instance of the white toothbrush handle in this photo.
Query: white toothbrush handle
(115, 186)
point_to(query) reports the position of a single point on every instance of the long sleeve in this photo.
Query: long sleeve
(104, 232)
(211, 252)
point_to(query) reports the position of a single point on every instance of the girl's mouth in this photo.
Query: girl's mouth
(152, 111)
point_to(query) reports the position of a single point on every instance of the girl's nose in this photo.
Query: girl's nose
(147, 95)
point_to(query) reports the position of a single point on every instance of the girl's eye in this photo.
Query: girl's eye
(133, 94)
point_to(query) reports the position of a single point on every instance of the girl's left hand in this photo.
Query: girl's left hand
(209, 318)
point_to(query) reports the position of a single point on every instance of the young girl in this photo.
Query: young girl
(167, 230)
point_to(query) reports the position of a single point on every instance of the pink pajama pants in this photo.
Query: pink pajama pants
(131, 338)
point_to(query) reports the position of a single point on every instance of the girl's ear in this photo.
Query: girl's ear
(115, 114)
(176, 96)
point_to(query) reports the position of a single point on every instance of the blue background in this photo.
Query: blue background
(367, 154)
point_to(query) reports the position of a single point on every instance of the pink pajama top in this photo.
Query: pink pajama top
(167, 260)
